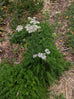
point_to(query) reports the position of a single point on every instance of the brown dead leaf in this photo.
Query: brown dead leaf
(67, 17)
(8, 24)
(12, 32)
(72, 32)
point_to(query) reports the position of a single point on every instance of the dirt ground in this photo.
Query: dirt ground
(8, 49)
(66, 82)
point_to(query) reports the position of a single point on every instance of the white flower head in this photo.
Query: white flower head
(28, 25)
(37, 3)
(29, 18)
(19, 28)
(43, 56)
(31, 28)
(33, 21)
(34, 17)
(47, 51)
(35, 55)
(40, 55)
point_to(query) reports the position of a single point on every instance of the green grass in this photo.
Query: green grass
(21, 9)
(19, 83)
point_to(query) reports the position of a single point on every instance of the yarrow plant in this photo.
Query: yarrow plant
(41, 64)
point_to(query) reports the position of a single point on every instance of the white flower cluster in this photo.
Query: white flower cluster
(42, 55)
(29, 18)
(19, 28)
(33, 20)
(37, 3)
(32, 27)
(47, 51)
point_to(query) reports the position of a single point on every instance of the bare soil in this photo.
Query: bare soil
(66, 82)
(8, 49)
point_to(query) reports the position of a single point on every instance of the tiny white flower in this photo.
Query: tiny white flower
(43, 56)
(57, 12)
(19, 28)
(32, 27)
(28, 25)
(38, 27)
(34, 17)
(29, 31)
(34, 56)
(29, 18)
(38, 3)
(40, 55)
(34, 22)
(47, 51)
